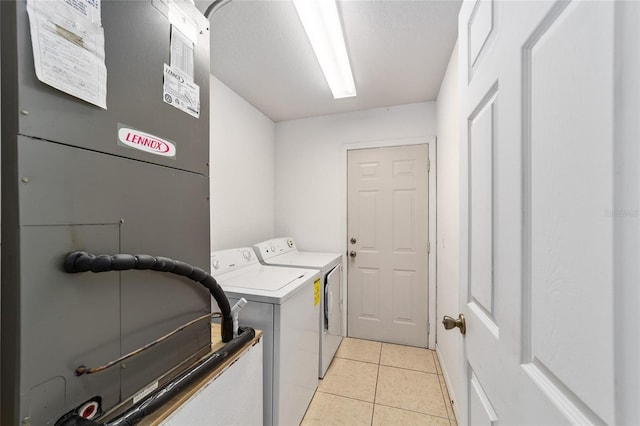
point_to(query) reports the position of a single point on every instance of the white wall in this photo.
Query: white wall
(311, 167)
(241, 170)
(449, 343)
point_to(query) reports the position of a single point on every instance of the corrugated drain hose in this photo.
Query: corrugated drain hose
(80, 261)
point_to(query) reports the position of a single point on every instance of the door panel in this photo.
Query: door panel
(368, 206)
(388, 217)
(370, 298)
(536, 257)
(480, 28)
(481, 411)
(404, 207)
(404, 283)
(562, 284)
(481, 165)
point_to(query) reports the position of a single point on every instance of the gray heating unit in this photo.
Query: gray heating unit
(69, 183)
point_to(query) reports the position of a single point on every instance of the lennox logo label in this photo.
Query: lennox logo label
(171, 73)
(146, 142)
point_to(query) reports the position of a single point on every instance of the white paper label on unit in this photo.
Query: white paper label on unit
(144, 392)
(180, 91)
(68, 47)
(146, 142)
(181, 52)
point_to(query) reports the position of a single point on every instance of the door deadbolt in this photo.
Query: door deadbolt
(352, 253)
(450, 323)
(352, 240)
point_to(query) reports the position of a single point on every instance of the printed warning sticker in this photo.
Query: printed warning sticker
(67, 41)
(316, 292)
(180, 91)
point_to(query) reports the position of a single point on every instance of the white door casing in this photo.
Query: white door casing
(387, 214)
(536, 212)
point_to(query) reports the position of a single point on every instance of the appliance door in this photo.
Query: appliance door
(333, 305)
(332, 327)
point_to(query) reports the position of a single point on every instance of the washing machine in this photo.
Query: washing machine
(284, 304)
(283, 252)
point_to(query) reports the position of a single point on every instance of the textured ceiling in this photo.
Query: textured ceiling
(398, 50)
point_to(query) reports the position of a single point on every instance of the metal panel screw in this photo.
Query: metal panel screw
(26, 421)
(25, 179)
(24, 112)
(121, 220)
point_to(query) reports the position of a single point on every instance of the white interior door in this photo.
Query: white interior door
(388, 227)
(536, 258)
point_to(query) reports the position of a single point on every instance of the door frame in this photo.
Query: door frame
(432, 285)
(626, 213)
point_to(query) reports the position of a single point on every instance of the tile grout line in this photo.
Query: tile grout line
(343, 396)
(358, 360)
(379, 365)
(439, 385)
(414, 411)
(410, 369)
(375, 392)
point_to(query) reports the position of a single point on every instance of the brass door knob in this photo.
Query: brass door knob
(352, 253)
(450, 323)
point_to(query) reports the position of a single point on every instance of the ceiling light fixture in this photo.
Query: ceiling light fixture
(322, 25)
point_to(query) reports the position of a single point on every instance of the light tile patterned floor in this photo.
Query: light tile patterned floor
(373, 383)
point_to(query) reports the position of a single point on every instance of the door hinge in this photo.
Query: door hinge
(428, 247)
(428, 166)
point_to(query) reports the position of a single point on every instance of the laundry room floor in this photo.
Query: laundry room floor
(373, 383)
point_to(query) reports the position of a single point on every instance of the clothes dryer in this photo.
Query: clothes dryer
(281, 303)
(283, 252)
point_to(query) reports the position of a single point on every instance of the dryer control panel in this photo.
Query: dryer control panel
(270, 248)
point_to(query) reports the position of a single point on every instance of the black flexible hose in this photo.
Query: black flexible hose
(80, 261)
(138, 411)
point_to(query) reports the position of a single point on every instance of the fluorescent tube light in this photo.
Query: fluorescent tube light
(322, 25)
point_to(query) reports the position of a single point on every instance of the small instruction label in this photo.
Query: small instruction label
(316, 292)
(178, 90)
(144, 392)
